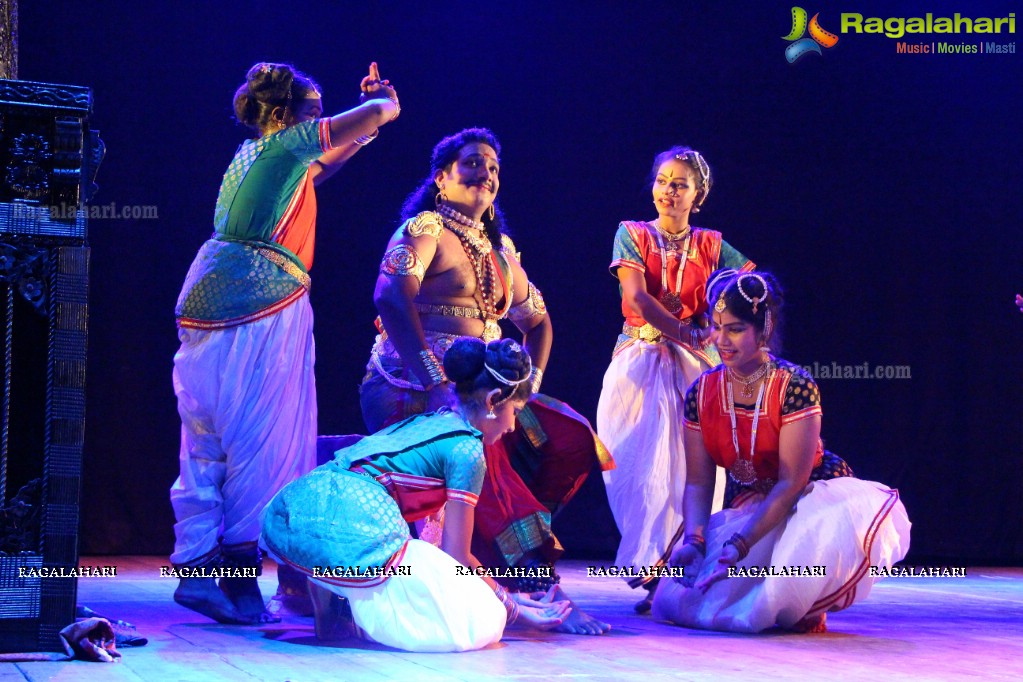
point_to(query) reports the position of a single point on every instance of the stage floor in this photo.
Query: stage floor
(908, 628)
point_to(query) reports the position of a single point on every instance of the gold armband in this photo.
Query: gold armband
(426, 222)
(508, 246)
(533, 305)
(403, 261)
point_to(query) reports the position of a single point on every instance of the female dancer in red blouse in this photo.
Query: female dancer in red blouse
(662, 265)
(799, 534)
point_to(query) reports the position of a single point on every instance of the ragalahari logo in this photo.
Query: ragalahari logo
(818, 36)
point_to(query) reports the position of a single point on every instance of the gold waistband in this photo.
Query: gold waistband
(648, 332)
(286, 265)
(491, 330)
(449, 310)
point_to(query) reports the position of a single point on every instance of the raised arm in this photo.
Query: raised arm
(355, 128)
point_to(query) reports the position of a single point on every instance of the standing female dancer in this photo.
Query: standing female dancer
(244, 372)
(662, 266)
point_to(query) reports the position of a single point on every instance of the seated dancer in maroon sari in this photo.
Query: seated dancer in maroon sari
(449, 272)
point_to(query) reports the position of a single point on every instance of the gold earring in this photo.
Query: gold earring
(491, 414)
(490, 212)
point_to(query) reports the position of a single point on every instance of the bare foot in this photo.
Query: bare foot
(578, 622)
(292, 595)
(244, 594)
(812, 624)
(203, 596)
(644, 605)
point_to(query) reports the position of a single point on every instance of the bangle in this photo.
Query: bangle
(366, 139)
(537, 377)
(509, 604)
(397, 107)
(740, 543)
(433, 368)
(697, 541)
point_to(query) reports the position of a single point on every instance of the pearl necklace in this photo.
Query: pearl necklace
(748, 381)
(459, 217)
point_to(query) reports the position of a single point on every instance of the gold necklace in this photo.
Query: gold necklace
(672, 300)
(479, 251)
(672, 238)
(750, 380)
(479, 242)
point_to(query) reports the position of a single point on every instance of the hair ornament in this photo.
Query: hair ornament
(754, 301)
(515, 348)
(511, 382)
(699, 162)
(728, 272)
(720, 306)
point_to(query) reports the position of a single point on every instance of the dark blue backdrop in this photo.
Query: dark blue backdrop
(883, 189)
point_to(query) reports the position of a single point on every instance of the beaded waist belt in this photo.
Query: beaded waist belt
(648, 332)
(450, 310)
